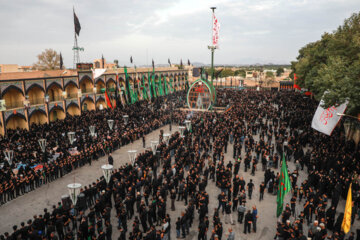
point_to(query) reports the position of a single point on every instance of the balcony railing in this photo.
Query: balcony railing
(17, 104)
(87, 90)
(56, 98)
(36, 101)
(72, 95)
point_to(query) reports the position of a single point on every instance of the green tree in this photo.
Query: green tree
(269, 75)
(47, 60)
(279, 71)
(240, 72)
(227, 72)
(333, 64)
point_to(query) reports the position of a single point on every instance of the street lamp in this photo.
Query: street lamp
(132, 156)
(74, 190)
(110, 123)
(92, 130)
(9, 155)
(107, 171)
(167, 138)
(154, 145)
(126, 119)
(188, 124)
(42, 143)
(71, 136)
(182, 129)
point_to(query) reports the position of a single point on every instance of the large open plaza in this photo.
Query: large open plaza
(196, 120)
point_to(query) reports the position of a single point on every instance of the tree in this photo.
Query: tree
(240, 72)
(47, 60)
(279, 71)
(227, 72)
(269, 75)
(333, 64)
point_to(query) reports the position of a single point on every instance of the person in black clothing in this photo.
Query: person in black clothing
(247, 222)
(250, 188)
(110, 159)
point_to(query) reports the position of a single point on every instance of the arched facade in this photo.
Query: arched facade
(71, 90)
(35, 95)
(51, 97)
(55, 92)
(73, 110)
(86, 85)
(14, 98)
(57, 113)
(16, 121)
(38, 117)
(87, 105)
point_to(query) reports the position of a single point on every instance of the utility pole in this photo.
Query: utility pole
(212, 47)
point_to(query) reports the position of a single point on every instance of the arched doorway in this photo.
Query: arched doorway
(54, 92)
(36, 95)
(101, 102)
(86, 85)
(14, 98)
(56, 113)
(73, 110)
(38, 117)
(100, 87)
(88, 105)
(71, 91)
(16, 121)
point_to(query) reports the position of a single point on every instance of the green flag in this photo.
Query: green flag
(165, 86)
(283, 188)
(145, 97)
(127, 86)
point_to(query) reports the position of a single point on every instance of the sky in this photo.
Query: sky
(251, 31)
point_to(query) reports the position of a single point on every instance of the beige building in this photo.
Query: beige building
(45, 96)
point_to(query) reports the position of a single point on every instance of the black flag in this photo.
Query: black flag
(169, 62)
(131, 60)
(61, 62)
(103, 61)
(77, 24)
(153, 64)
(189, 62)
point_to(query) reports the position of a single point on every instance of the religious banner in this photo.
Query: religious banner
(325, 120)
(215, 32)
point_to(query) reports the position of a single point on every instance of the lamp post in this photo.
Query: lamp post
(110, 123)
(74, 190)
(182, 129)
(107, 171)
(92, 130)
(126, 119)
(188, 124)
(154, 145)
(42, 143)
(167, 138)
(71, 136)
(9, 155)
(132, 156)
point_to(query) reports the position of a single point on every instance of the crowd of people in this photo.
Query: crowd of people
(260, 127)
(61, 157)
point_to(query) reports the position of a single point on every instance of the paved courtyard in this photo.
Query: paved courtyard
(24, 207)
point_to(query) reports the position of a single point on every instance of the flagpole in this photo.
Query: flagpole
(212, 48)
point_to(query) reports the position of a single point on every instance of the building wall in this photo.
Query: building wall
(17, 88)
(8, 68)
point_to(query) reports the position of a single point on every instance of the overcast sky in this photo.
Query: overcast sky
(251, 31)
